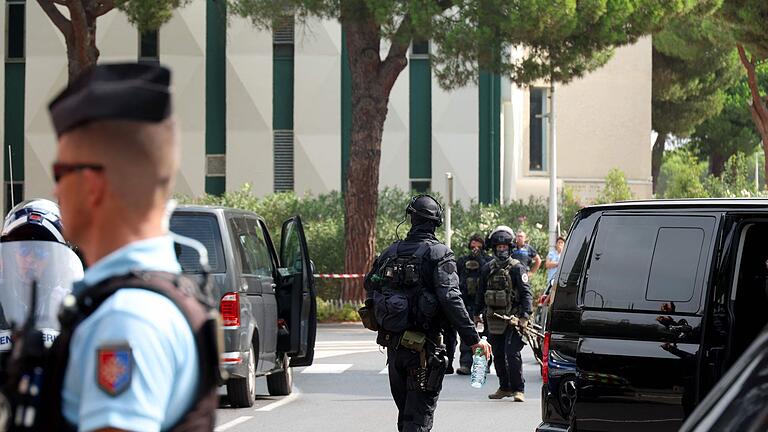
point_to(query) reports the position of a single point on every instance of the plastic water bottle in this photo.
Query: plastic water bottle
(479, 368)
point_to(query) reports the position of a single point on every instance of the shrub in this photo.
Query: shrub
(324, 223)
(336, 311)
(615, 189)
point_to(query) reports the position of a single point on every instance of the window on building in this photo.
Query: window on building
(537, 153)
(15, 30)
(420, 47)
(149, 47)
(421, 186)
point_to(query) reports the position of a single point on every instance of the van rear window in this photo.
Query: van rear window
(205, 229)
(649, 263)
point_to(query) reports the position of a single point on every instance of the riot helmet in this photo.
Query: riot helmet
(502, 235)
(38, 219)
(425, 207)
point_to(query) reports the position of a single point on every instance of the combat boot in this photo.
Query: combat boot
(501, 394)
(463, 370)
(519, 397)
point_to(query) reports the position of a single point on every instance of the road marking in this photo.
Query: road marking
(384, 371)
(233, 423)
(327, 368)
(284, 401)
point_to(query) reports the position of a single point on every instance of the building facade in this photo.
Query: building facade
(273, 109)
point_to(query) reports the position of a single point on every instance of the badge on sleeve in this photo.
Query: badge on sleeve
(114, 367)
(524, 276)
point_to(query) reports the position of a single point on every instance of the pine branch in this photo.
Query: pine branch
(55, 15)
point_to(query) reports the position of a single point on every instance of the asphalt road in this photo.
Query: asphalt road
(347, 390)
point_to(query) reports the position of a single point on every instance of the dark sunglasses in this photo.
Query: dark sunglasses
(60, 169)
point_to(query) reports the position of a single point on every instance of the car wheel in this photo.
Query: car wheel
(281, 383)
(242, 391)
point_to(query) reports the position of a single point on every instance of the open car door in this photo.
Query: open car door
(297, 290)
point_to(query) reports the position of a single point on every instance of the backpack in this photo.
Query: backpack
(402, 301)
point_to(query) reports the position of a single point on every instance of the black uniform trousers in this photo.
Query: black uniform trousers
(451, 340)
(507, 358)
(416, 409)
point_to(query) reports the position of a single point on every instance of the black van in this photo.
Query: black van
(654, 300)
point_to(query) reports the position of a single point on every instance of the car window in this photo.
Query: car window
(648, 263)
(292, 258)
(262, 262)
(205, 229)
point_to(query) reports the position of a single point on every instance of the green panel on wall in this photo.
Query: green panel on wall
(420, 119)
(14, 120)
(215, 88)
(282, 87)
(215, 185)
(489, 112)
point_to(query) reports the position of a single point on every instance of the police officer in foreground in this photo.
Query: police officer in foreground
(414, 289)
(469, 267)
(137, 347)
(504, 292)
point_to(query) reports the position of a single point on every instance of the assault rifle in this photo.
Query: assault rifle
(532, 333)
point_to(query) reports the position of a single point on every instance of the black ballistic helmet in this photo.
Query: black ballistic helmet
(426, 207)
(502, 236)
(478, 238)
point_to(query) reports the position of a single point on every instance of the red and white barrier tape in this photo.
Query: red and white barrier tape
(339, 276)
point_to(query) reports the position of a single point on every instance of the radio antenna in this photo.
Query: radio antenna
(10, 172)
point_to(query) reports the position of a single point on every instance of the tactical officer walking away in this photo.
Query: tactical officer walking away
(413, 289)
(469, 267)
(504, 291)
(137, 349)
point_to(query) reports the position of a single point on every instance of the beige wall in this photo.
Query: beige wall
(455, 142)
(249, 108)
(603, 121)
(317, 107)
(46, 76)
(182, 49)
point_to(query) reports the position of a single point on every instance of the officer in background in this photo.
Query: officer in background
(526, 253)
(136, 350)
(414, 290)
(504, 291)
(469, 280)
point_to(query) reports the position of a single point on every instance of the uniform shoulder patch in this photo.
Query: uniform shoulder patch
(114, 367)
(524, 276)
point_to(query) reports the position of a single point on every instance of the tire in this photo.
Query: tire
(281, 383)
(241, 392)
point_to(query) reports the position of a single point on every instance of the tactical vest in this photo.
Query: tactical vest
(500, 295)
(472, 280)
(403, 302)
(196, 308)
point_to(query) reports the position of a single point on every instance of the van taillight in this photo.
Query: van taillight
(230, 309)
(545, 358)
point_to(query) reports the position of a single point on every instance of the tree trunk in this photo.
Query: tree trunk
(79, 31)
(757, 105)
(717, 162)
(657, 158)
(372, 81)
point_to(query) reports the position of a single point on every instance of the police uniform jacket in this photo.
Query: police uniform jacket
(438, 274)
(133, 363)
(464, 273)
(519, 276)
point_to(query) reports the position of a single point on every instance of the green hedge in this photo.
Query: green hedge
(324, 223)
